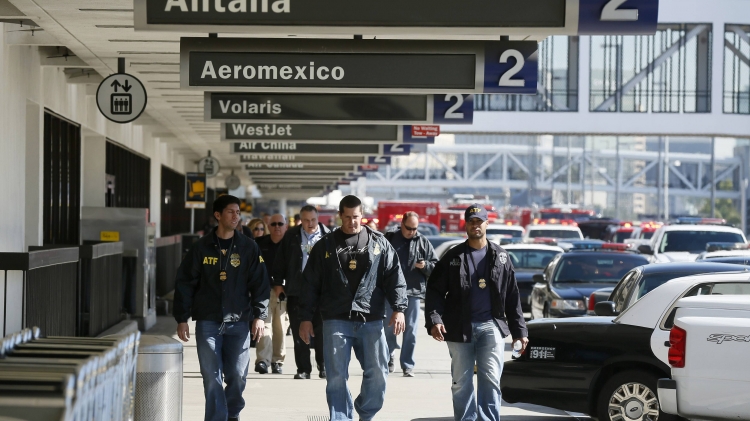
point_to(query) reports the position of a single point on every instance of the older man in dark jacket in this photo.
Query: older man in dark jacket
(472, 302)
(417, 259)
(349, 275)
(291, 259)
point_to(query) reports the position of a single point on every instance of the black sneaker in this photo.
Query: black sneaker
(276, 368)
(391, 366)
(261, 368)
(302, 376)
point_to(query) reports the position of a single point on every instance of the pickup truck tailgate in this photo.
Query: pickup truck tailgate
(715, 382)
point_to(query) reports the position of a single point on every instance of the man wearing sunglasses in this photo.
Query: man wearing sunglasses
(271, 348)
(417, 259)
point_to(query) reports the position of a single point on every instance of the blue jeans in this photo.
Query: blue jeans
(367, 340)
(223, 354)
(486, 351)
(409, 341)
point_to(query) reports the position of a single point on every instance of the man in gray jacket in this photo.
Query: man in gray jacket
(417, 259)
(287, 280)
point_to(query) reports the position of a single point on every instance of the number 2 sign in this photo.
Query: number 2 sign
(617, 17)
(512, 69)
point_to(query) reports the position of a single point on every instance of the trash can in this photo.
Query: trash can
(158, 380)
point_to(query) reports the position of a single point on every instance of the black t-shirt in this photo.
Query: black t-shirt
(352, 253)
(268, 249)
(481, 303)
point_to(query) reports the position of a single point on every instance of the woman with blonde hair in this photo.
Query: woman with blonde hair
(258, 227)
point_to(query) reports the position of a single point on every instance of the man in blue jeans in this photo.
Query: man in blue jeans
(223, 285)
(417, 259)
(348, 275)
(472, 303)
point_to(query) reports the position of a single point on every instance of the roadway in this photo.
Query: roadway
(426, 397)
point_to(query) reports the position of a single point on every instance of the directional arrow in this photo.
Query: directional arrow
(116, 85)
(127, 86)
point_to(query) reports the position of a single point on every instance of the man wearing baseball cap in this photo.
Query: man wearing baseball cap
(472, 303)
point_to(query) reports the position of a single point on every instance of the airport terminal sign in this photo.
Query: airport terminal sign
(322, 133)
(284, 109)
(358, 66)
(395, 17)
(306, 148)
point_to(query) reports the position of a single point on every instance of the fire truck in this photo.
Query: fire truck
(555, 215)
(393, 211)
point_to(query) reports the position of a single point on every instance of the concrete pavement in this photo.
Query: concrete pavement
(426, 397)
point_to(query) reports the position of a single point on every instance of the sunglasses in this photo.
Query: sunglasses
(409, 228)
(276, 224)
(259, 229)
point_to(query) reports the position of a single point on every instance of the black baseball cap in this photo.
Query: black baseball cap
(476, 211)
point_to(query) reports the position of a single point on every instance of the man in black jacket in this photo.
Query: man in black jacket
(472, 302)
(348, 275)
(223, 285)
(291, 260)
(417, 259)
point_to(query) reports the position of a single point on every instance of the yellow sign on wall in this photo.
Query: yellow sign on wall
(109, 236)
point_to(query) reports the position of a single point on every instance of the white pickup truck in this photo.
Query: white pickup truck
(709, 347)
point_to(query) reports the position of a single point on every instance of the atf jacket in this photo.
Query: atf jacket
(448, 297)
(327, 288)
(419, 248)
(287, 270)
(201, 295)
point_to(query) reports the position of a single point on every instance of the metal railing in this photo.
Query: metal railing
(102, 287)
(168, 258)
(66, 378)
(49, 285)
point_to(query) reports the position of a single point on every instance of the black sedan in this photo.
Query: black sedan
(569, 280)
(529, 260)
(579, 364)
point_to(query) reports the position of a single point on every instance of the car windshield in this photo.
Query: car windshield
(531, 259)
(427, 229)
(554, 234)
(496, 231)
(622, 236)
(598, 268)
(695, 241)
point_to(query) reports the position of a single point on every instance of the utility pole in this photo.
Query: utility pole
(666, 178)
(570, 174)
(618, 178)
(713, 177)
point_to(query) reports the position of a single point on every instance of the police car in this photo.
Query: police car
(529, 260)
(568, 281)
(604, 366)
(685, 239)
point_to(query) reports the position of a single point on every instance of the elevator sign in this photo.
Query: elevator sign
(340, 66)
(121, 98)
(397, 17)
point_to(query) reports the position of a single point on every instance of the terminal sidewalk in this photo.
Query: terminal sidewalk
(426, 397)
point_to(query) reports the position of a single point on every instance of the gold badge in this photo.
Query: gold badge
(223, 275)
(234, 260)
(376, 250)
(353, 265)
(482, 283)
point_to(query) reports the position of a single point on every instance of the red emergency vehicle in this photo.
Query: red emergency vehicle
(393, 211)
(555, 215)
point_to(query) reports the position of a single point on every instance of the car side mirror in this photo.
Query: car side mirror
(538, 278)
(645, 249)
(605, 308)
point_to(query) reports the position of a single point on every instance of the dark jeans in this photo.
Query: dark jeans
(301, 349)
(223, 356)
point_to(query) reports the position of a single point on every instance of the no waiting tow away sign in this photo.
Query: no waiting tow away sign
(398, 17)
(358, 66)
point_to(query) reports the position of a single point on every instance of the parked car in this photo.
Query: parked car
(568, 232)
(645, 278)
(604, 366)
(444, 247)
(529, 260)
(568, 281)
(497, 231)
(709, 345)
(683, 242)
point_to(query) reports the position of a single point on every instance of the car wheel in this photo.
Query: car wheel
(631, 396)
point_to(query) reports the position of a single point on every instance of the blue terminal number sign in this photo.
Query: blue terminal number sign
(443, 18)
(284, 109)
(337, 66)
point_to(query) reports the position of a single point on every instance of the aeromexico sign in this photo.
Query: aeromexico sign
(398, 17)
(338, 66)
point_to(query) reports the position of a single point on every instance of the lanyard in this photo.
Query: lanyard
(223, 272)
(476, 269)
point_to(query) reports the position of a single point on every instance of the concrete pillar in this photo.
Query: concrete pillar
(94, 180)
(34, 175)
(282, 206)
